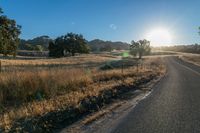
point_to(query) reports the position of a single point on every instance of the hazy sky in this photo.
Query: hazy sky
(116, 20)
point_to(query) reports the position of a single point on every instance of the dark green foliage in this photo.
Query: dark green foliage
(140, 48)
(55, 50)
(68, 44)
(9, 35)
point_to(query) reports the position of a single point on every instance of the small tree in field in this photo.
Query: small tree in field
(140, 48)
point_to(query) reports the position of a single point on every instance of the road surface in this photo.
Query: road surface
(173, 106)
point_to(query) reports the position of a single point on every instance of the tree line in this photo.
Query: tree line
(72, 43)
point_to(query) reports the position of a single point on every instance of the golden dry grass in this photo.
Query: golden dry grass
(91, 58)
(25, 94)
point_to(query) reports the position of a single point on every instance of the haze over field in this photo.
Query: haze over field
(172, 21)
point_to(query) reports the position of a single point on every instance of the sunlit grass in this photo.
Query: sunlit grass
(29, 93)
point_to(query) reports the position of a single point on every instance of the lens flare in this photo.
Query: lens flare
(159, 37)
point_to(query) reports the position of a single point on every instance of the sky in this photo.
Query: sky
(115, 20)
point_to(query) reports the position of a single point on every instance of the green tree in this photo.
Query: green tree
(70, 43)
(55, 49)
(9, 35)
(75, 43)
(140, 48)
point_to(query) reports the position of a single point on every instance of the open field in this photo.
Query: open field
(31, 91)
(82, 61)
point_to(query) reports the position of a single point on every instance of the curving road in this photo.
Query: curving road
(173, 106)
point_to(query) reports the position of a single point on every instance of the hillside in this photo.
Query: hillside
(41, 43)
(195, 48)
(35, 43)
(100, 45)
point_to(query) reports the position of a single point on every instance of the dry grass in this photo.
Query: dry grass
(20, 87)
(27, 94)
(192, 58)
(83, 59)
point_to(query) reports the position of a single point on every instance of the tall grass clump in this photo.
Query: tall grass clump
(19, 87)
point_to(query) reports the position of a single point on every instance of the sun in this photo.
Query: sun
(159, 37)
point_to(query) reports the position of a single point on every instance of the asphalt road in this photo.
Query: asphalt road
(173, 106)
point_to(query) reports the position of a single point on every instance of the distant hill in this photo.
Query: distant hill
(100, 45)
(41, 43)
(195, 48)
(35, 43)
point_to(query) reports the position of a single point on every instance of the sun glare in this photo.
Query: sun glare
(159, 37)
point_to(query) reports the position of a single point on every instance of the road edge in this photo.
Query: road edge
(107, 117)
